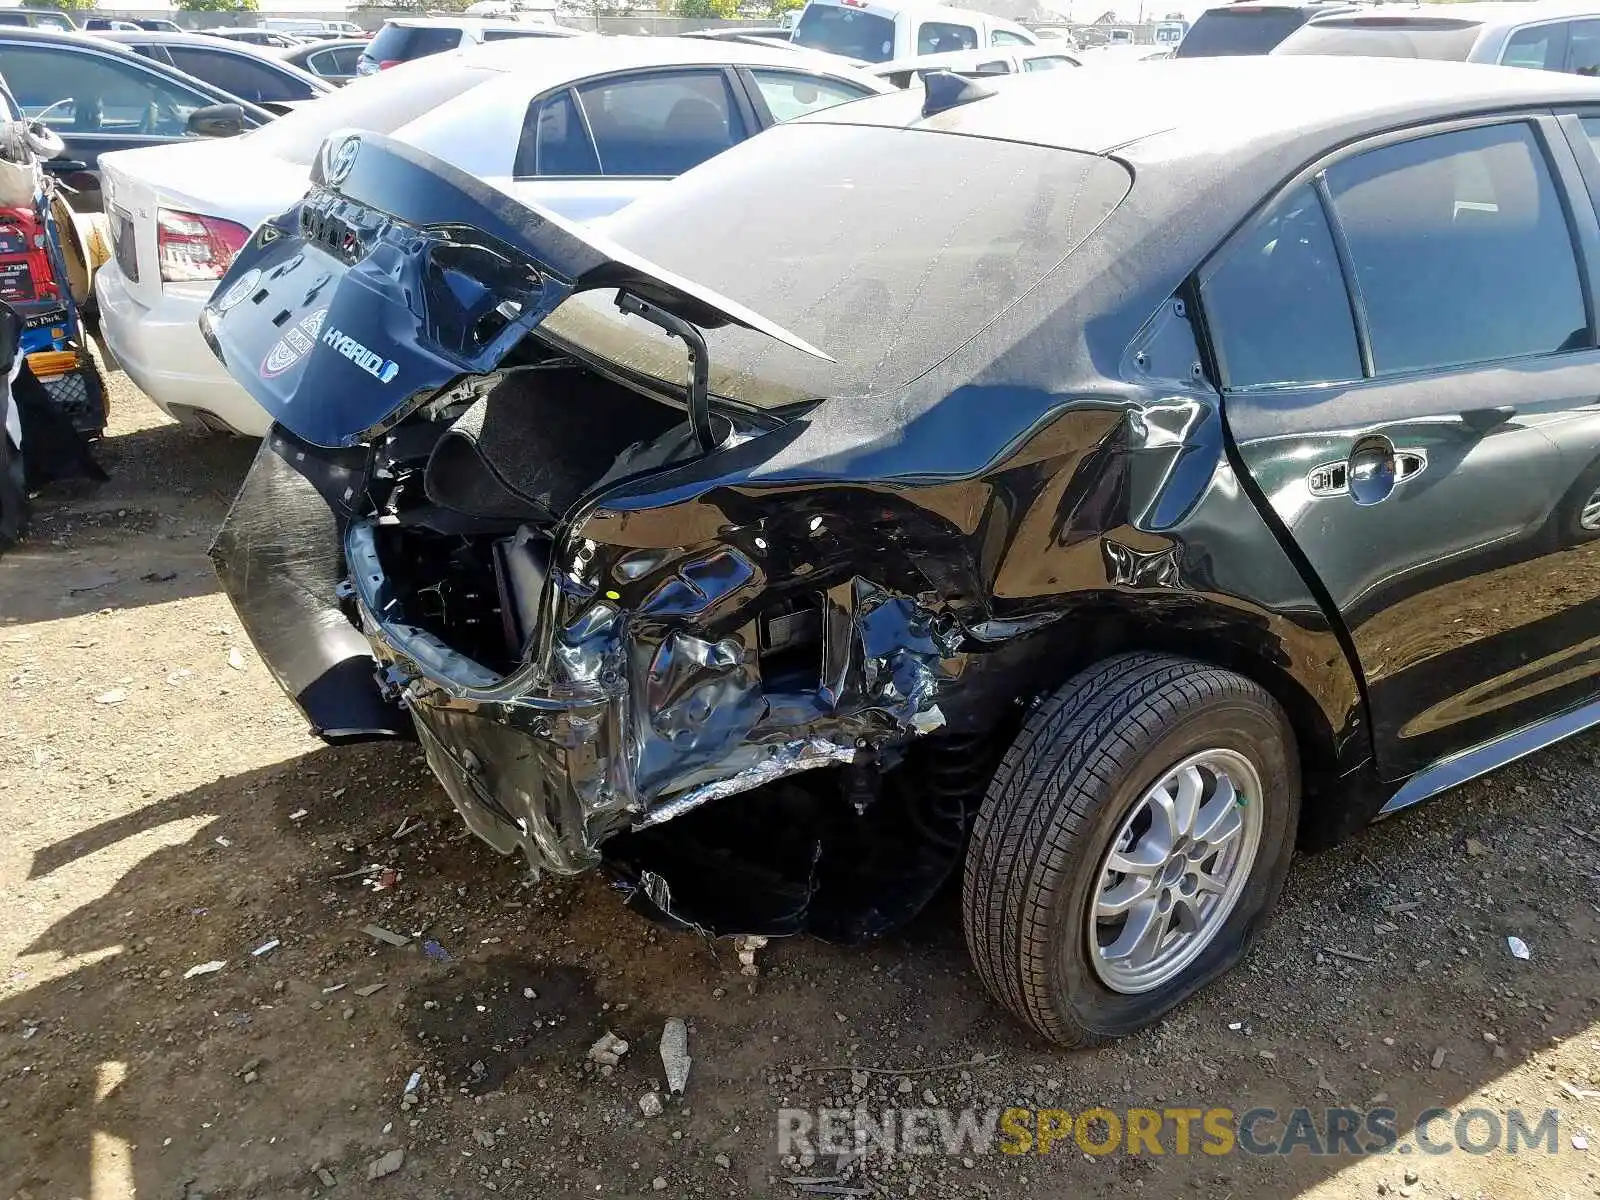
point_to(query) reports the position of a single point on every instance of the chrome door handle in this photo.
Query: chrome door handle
(1369, 475)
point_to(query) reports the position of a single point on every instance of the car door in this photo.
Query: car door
(591, 149)
(97, 102)
(1407, 349)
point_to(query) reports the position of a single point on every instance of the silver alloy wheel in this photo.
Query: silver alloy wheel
(1589, 518)
(1175, 870)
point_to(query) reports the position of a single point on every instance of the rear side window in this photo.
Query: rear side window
(1583, 47)
(1240, 29)
(789, 94)
(1277, 306)
(1544, 48)
(846, 31)
(554, 141)
(239, 75)
(940, 37)
(1461, 249)
(341, 60)
(502, 35)
(401, 43)
(660, 124)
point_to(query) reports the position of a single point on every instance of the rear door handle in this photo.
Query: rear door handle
(1376, 470)
(60, 166)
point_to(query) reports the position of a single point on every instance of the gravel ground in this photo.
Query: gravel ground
(164, 809)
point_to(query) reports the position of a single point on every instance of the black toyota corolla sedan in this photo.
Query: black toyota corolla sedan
(1092, 484)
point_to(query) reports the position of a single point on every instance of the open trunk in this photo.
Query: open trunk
(465, 530)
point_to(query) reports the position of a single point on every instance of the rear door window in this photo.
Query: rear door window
(79, 92)
(1276, 305)
(845, 31)
(554, 140)
(1542, 47)
(401, 43)
(790, 94)
(661, 123)
(1583, 47)
(240, 75)
(341, 60)
(1461, 249)
(502, 35)
(941, 37)
(1240, 29)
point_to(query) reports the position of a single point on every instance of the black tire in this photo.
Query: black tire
(1084, 757)
(1570, 529)
(13, 492)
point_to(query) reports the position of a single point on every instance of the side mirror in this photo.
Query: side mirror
(217, 121)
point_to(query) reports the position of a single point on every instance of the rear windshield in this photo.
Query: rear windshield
(1386, 37)
(402, 43)
(1240, 29)
(838, 263)
(846, 31)
(380, 103)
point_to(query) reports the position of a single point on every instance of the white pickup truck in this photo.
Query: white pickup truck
(880, 31)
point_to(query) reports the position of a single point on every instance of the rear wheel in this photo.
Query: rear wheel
(13, 492)
(1130, 846)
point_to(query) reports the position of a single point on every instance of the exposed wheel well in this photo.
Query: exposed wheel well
(1328, 811)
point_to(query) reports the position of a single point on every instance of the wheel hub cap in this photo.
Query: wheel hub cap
(1175, 870)
(1589, 518)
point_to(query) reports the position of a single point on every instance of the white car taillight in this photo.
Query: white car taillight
(191, 247)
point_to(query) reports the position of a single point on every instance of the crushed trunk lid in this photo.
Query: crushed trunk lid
(397, 274)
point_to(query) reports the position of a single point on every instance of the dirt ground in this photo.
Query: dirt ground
(163, 808)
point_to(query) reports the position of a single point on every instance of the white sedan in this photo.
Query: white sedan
(582, 126)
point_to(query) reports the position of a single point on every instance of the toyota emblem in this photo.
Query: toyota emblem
(342, 160)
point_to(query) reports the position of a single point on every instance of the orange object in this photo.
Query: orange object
(46, 364)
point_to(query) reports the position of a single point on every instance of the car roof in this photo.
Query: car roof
(313, 47)
(33, 33)
(1224, 101)
(166, 37)
(966, 60)
(1504, 13)
(481, 23)
(593, 55)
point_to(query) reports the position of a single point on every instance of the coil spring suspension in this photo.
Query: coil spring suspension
(951, 775)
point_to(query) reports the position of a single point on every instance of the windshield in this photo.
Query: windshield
(381, 103)
(847, 31)
(838, 264)
(1240, 29)
(1445, 40)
